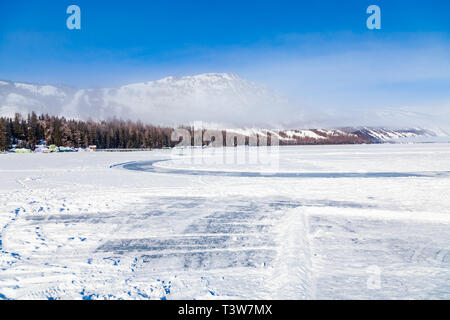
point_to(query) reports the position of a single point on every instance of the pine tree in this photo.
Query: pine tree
(32, 130)
(18, 132)
(4, 136)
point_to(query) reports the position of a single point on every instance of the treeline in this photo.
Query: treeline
(27, 132)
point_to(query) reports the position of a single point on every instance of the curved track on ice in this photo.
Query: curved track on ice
(148, 166)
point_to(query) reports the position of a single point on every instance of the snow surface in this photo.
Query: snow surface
(83, 226)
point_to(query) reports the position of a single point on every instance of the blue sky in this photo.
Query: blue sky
(301, 48)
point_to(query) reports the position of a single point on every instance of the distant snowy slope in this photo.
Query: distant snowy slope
(304, 136)
(346, 135)
(402, 135)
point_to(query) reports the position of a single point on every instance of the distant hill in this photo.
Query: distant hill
(345, 135)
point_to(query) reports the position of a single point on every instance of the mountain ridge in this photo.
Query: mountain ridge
(222, 100)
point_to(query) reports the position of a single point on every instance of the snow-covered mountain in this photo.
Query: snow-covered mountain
(219, 100)
(343, 136)
(213, 97)
(402, 135)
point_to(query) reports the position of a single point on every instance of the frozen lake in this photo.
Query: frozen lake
(306, 222)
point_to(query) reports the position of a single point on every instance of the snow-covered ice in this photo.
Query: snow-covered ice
(352, 222)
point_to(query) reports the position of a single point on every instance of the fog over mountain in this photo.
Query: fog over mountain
(217, 99)
(213, 98)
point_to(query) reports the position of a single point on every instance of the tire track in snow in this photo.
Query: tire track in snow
(237, 240)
